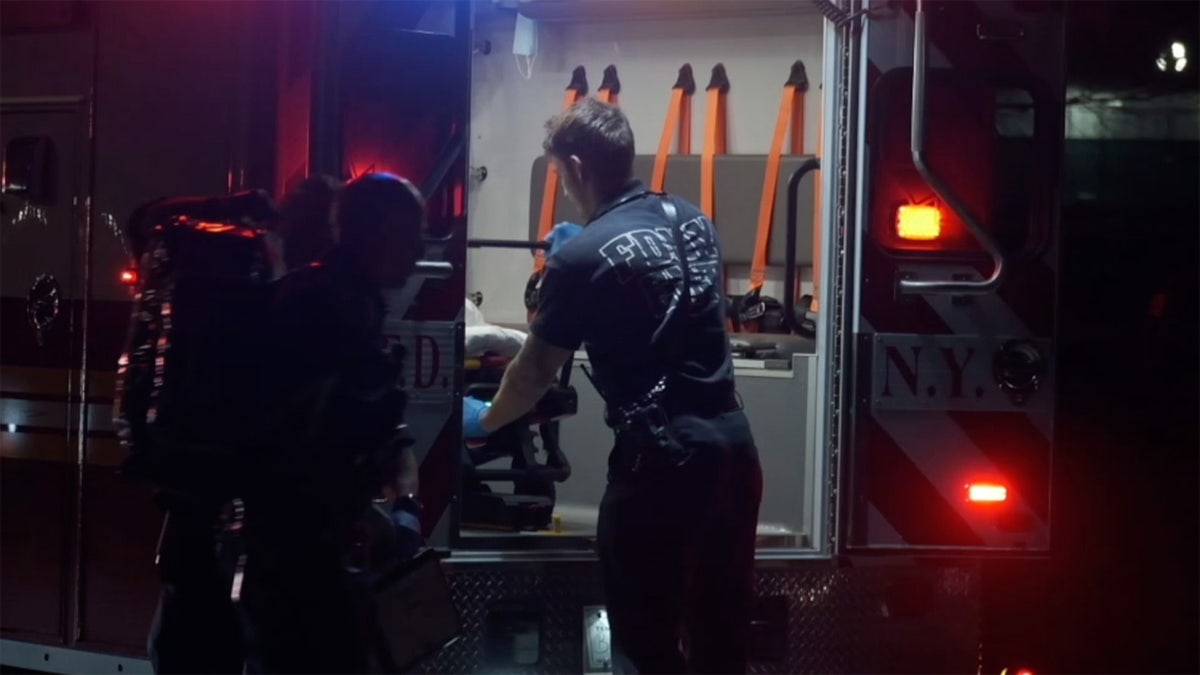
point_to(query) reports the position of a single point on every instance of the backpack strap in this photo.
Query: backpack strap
(671, 336)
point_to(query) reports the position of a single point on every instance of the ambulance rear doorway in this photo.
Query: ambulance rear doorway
(641, 64)
(528, 584)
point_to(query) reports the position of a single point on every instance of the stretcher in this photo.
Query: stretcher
(536, 461)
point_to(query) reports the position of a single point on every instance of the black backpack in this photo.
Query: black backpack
(190, 385)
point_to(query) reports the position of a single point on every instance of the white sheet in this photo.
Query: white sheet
(494, 340)
(472, 315)
(482, 338)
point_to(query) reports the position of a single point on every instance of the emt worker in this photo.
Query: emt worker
(306, 609)
(677, 523)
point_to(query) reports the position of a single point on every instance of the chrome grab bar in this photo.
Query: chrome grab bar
(943, 191)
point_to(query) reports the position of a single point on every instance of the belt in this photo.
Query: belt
(703, 406)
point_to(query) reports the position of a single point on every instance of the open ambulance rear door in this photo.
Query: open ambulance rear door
(949, 280)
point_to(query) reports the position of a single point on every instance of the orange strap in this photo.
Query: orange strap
(610, 86)
(714, 138)
(678, 126)
(576, 90)
(790, 121)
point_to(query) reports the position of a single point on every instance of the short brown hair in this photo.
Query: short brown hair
(599, 134)
(366, 204)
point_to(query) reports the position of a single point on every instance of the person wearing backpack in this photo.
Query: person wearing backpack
(335, 444)
(196, 628)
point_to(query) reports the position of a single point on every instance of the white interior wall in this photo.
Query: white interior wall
(508, 113)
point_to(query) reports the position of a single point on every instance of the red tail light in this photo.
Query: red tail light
(985, 493)
(129, 277)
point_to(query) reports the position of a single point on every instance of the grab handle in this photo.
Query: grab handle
(941, 189)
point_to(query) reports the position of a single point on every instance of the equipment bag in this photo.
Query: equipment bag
(415, 614)
(190, 381)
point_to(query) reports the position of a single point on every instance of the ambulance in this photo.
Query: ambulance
(884, 178)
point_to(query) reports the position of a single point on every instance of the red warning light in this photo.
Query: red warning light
(215, 228)
(982, 493)
(129, 277)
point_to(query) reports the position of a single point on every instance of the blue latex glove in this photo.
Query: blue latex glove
(473, 410)
(561, 234)
(406, 516)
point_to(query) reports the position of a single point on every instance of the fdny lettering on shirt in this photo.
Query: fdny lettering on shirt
(647, 257)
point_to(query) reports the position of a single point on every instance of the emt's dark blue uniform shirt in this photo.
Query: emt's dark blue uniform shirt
(613, 287)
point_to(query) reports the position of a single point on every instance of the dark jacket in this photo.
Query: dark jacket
(338, 402)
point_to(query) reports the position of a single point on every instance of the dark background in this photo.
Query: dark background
(1121, 594)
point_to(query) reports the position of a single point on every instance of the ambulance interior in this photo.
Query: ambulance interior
(539, 482)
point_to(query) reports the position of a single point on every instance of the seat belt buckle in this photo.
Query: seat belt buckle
(751, 307)
(752, 312)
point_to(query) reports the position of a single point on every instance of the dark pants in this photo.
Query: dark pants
(196, 628)
(677, 551)
(304, 612)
